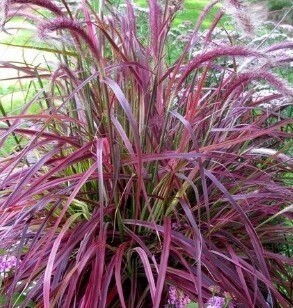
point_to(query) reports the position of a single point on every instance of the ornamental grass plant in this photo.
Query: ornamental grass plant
(138, 173)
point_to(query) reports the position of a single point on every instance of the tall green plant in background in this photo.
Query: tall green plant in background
(141, 171)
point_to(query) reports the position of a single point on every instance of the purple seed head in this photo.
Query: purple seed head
(48, 4)
(238, 10)
(72, 26)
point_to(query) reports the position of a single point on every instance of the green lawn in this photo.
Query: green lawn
(12, 100)
(191, 12)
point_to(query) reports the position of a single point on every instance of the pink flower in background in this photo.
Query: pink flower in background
(7, 263)
(218, 302)
(177, 298)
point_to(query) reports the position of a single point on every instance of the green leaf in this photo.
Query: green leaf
(17, 300)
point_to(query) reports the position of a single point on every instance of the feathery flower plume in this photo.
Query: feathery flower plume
(47, 4)
(240, 12)
(3, 13)
(6, 5)
(244, 78)
(74, 27)
(155, 23)
(244, 21)
(282, 45)
(221, 51)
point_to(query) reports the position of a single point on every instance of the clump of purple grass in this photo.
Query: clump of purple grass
(140, 173)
